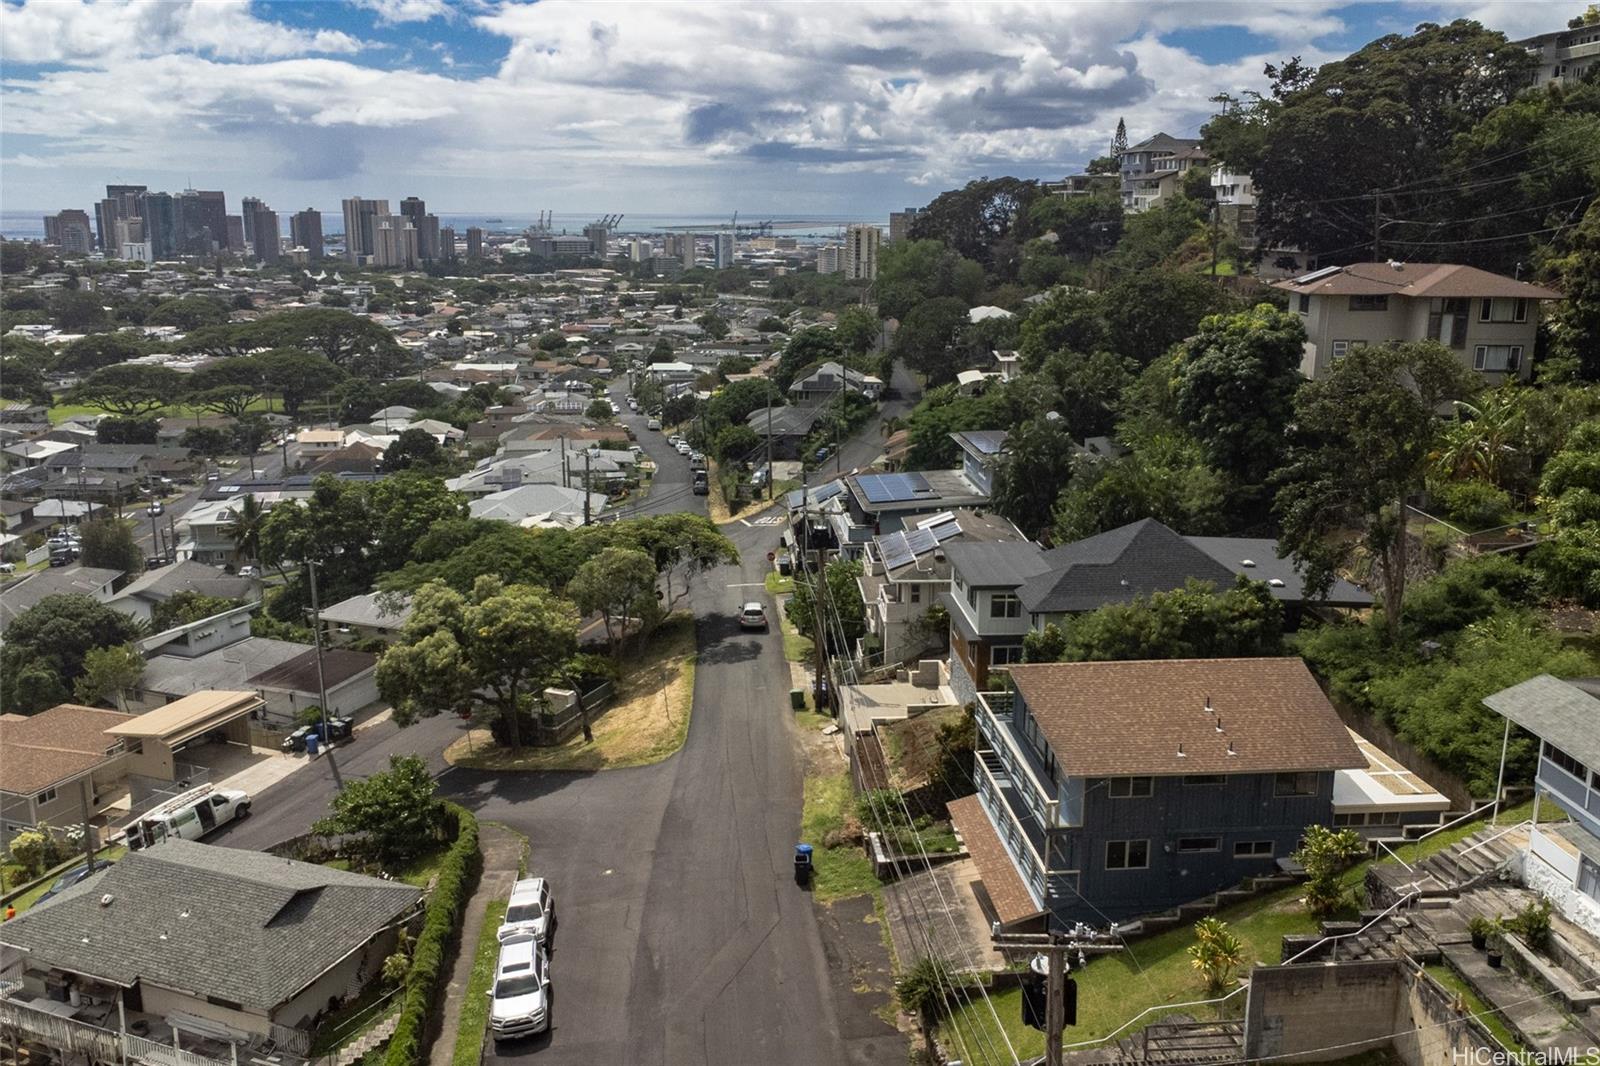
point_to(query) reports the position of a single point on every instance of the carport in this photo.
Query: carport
(153, 738)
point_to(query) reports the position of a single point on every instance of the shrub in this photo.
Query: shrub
(1532, 924)
(1473, 505)
(441, 924)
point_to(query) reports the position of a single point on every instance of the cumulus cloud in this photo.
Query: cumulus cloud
(84, 32)
(394, 11)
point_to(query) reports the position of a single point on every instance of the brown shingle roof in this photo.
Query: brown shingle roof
(1425, 280)
(1127, 718)
(1005, 887)
(40, 750)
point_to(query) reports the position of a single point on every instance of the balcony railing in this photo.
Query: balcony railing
(1021, 764)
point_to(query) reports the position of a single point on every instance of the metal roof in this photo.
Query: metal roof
(186, 718)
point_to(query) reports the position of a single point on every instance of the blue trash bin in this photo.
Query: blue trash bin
(313, 742)
(802, 864)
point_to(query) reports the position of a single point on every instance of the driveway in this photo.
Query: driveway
(682, 936)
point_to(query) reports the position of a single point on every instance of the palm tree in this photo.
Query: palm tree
(1479, 447)
(925, 990)
(245, 529)
(1217, 953)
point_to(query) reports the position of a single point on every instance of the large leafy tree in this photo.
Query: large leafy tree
(932, 339)
(80, 312)
(857, 329)
(1150, 311)
(1065, 320)
(88, 354)
(497, 648)
(188, 312)
(109, 543)
(109, 673)
(1236, 382)
(619, 585)
(392, 817)
(227, 386)
(1036, 466)
(1574, 323)
(45, 647)
(843, 615)
(1193, 622)
(130, 389)
(354, 344)
(1164, 477)
(910, 272)
(1570, 494)
(296, 376)
(680, 545)
(986, 220)
(805, 348)
(1365, 432)
(403, 507)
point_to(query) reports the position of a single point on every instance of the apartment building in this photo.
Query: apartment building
(1489, 320)
(1565, 55)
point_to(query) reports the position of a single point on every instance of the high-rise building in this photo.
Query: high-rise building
(122, 201)
(428, 238)
(394, 242)
(128, 231)
(599, 235)
(828, 257)
(247, 212)
(213, 206)
(639, 249)
(413, 208)
(160, 224)
(359, 223)
(724, 251)
(70, 231)
(262, 222)
(235, 238)
(447, 243)
(861, 252)
(474, 242)
(680, 246)
(305, 231)
(900, 223)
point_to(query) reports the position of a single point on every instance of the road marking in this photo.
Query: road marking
(750, 585)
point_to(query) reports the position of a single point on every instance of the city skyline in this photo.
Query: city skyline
(642, 108)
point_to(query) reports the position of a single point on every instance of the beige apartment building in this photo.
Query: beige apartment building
(1489, 320)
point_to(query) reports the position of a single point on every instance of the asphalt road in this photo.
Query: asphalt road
(671, 491)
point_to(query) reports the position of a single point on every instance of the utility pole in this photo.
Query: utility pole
(1054, 955)
(586, 455)
(1377, 221)
(770, 478)
(316, 637)
(1215, 210)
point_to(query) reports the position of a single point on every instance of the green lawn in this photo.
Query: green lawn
(1152, 973)
(796, 647)
(1414, 853)
(63, 411)
(475, 1007)
(778, 584)
(843, 871)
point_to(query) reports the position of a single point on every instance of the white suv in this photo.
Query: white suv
(531, 911)
(519, 1002)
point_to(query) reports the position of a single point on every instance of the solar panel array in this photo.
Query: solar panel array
(899, 549)
(893, 488)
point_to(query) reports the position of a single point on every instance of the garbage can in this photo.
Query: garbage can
(802, 864)
(797, 698)
(313, 742)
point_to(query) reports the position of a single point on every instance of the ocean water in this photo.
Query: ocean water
(29, 225)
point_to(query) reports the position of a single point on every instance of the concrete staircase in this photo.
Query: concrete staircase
(1180, 1040)
(1473, 861)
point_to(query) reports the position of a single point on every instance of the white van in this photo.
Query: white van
(519, 1002)
(187, 817)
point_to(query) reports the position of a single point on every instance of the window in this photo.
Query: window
(1503, 309)
(1447, 321)
(1204, 779)
(972, 597)
(1340, 348)
(1304, 306)
(1299, 784)
(1005, 605)
(1252, 849)
(1369, 303)
(1551, 752)
(1005, 654)
(46, 796)
(1127, 854)
(1192, 845)
(1120, 788)
(916, 593)
(1359, 819)
(1497, 357)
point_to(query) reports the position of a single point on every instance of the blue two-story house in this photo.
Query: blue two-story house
(1111, 790)
(1562, 860)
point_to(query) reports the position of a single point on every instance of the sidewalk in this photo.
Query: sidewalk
(502, 858)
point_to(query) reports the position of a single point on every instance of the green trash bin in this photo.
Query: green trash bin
(797, 699)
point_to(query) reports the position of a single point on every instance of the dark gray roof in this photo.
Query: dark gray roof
(981, 442)
(57, 581)
(366, 610)
(225, 668)
(1554, 710)
(164, 582)
(996, 564)
(786, 421)
(1263, 552)
(239, 925)
(1114, 567)
(300, 673)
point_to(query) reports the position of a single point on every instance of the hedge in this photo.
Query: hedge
(432, 954)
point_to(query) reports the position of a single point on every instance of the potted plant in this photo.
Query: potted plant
(1495, 945)
(1480, 928)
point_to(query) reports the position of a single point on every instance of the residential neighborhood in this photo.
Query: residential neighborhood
(1140, 604)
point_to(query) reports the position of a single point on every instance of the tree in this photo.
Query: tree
(127, 430)
(599, 410)
(109, 672)
(551, 341)
(910, 272)
(805, 348)
(1086, 390)
(414, 449)
(1569, 492)
(857, 329)
(354, 344)
(1217, 953)
(208, 441)
(80, 312)
(735, 442)
(1065, 320)
(714, 325)
(392, 817)
(109, 543)
(1150, 311)
(296, 376)
(1119, 142)
(498, 648)
(1324, 854)
(188, 312)
(45, 647)
(1237, 379)
(926, 991)
(1035, 466)
(227, 386)
(1193, 622)
(618, 584)
(956, 743)
(845, 613)
(130, 389)
(681, 545)
(88, 354)
(1163, 477)
(249, 517)
(986, 220)
(1154, 238)
(930, 337)
(187, 606)
(1574, 323)
(1364, 436)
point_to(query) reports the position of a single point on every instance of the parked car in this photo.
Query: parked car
(214, 476)
(70, 878)
(155, 508)
(654, 423)
(62, 558)
(8, 568)
(532, 910)
(338, 729)
(702, 483)
(519, 1001)
(249, 571)
(188, 817)
(753, 616)
(683, 448)
(153, 561)
(697, 460)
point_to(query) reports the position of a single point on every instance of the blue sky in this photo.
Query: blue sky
(495, 105)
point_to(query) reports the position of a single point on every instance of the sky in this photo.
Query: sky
(836, 108)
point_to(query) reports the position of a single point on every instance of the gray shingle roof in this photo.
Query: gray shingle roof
(1554, 710)
(60, 581)
(165, 582)
(1231, 552)
(239, 925)
(1115, 566)
(366, 610)
(997, 564)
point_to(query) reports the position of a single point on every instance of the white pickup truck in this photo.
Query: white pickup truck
(187, 817)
